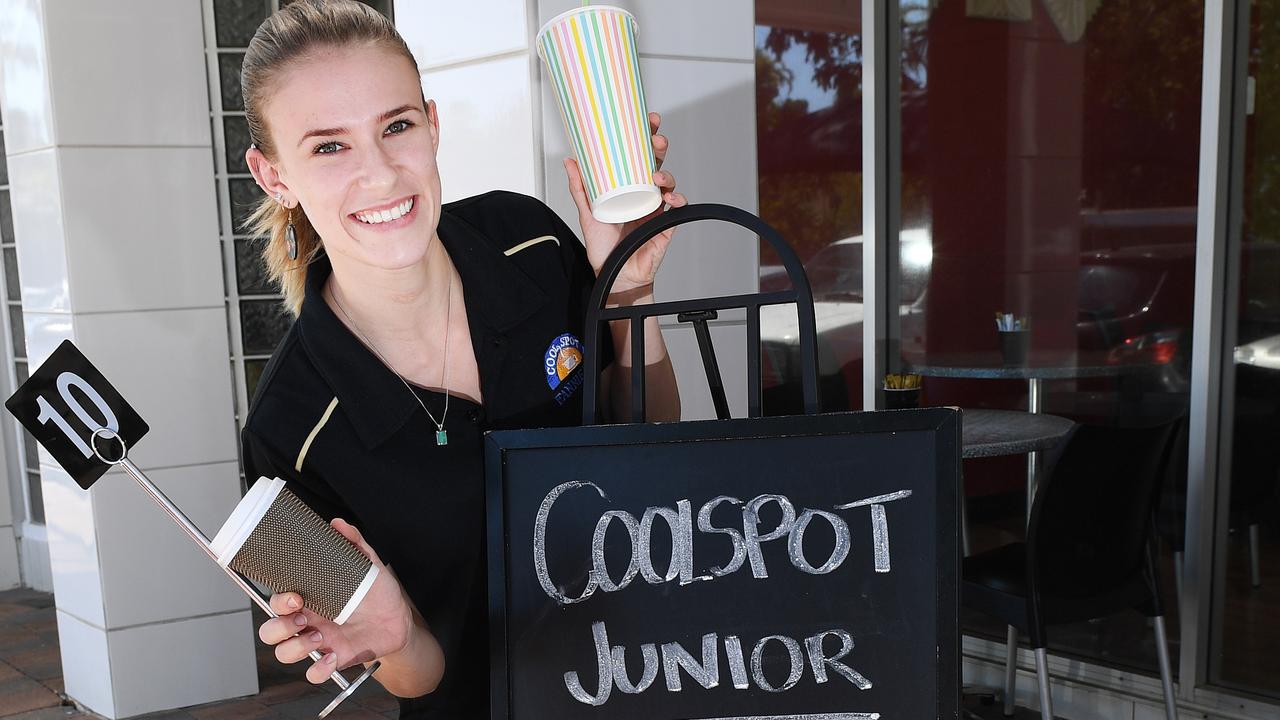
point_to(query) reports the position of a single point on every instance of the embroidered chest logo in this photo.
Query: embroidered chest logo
(563, 356)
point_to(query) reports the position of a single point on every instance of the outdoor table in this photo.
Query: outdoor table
(987, 366)
(992, 433)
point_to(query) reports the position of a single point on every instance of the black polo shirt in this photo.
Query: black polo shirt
(344, 433)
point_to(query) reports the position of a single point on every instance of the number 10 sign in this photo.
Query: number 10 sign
(63, 402)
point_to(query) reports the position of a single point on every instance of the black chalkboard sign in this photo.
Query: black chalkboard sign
(764, 568)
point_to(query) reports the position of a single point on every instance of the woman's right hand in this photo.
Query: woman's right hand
(383, 624)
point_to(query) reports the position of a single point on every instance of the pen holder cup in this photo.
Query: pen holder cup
(1014, 346)
(901, 399)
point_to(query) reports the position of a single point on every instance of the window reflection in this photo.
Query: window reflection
(808, 130)
(1049, 170)
(1247, 590)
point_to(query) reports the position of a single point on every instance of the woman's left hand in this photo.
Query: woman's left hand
(602, 238)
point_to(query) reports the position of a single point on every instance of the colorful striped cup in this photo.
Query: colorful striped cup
(590, 54)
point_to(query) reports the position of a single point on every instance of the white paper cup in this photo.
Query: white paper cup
(590, 55)
(273, 538)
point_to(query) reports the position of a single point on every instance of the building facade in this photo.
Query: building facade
(1099, 167)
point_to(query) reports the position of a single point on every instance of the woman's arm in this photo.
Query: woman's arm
(661, 395)
(633, 286)
(385, 627)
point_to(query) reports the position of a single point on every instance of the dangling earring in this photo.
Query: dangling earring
(291, 238)
(290, 235)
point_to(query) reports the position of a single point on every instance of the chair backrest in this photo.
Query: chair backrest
(1091, 519)
(800, 293)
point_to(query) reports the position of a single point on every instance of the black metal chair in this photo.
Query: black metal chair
(1088, 551)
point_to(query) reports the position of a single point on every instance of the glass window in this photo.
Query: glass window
(1049, 171)
(236, 20)
(229, 80)
(6, 217)
(235, 129)
(253, 373)
(18, 330)
(251, 271)
(33, 455)
(36, 496)
(13, 285)
(1244, 636)
(382, 6)
(27, 472)
(262, 324)
(808, 144)
(245, 195)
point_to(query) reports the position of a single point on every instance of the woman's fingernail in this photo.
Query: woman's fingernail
(299, 620)
(315, 637)
(330, 659)
(293, 602)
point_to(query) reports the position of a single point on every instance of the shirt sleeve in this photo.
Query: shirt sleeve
(262, 461)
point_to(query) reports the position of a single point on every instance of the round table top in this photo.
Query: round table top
(989, 366)
(991, 433)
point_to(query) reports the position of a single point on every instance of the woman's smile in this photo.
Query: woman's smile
(388, 216)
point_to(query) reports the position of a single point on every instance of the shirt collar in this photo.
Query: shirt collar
(498, 296)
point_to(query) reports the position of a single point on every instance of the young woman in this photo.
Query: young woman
(419, 326)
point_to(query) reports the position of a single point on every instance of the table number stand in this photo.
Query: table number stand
(49, 417)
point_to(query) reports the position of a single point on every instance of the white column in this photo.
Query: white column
(110, 159)
(12, 498)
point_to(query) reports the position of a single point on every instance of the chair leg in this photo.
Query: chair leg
(1177, 573)
(1042, 675)
(1255, 549)
(1166, 671)
(1010, 669)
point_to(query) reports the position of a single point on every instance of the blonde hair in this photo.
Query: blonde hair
(290, 34)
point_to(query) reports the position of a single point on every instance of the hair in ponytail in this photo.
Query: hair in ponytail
(272, 219)
(290, 34)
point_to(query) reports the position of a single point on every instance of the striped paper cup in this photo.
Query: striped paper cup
(590, 54)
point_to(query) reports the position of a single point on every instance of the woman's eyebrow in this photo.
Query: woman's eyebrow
(330, 132)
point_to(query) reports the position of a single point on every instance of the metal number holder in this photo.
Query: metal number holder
(198, 537)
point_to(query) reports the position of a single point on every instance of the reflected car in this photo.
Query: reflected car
(835, 276)
(1135, 308)
(1264, 353)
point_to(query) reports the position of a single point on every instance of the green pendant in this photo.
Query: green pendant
(442, 437)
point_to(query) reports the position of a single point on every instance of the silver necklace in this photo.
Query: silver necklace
(442, 437)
